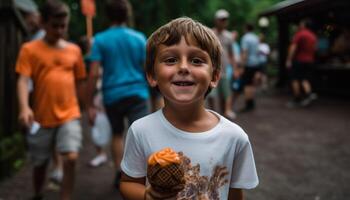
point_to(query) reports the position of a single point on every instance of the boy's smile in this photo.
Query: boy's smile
(183, 72)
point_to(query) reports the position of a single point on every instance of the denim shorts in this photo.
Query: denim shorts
(65, 138)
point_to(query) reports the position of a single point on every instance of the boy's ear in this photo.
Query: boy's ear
(215, 79)
(151, 80)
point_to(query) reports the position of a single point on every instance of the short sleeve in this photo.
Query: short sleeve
(96, 54)
(244, 43)
(134, 162)
(23, 64)
(244, 173)
(80, 70)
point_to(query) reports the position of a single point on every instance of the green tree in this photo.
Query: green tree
(148, 15)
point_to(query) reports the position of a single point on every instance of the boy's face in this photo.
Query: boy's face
(183, 73)
(56, 28)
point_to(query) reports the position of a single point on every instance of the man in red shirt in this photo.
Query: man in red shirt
(300, 59)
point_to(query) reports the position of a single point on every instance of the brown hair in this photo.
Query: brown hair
(117, 10)
(171, 33)
(54, 9)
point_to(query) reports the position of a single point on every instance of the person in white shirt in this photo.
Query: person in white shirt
(183, 62)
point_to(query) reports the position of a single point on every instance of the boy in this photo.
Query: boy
(120, 51)
(56, 67)
(183, 62)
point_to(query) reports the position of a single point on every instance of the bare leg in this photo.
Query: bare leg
(56, 173)
(306, 86)
(249, 92)
(69, 162)
(39, 175)
(99, 150)
(117, 150)
(296, 88)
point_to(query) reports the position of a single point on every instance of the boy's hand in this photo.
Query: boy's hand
(152, 194)
(26, 117)
(92, 112)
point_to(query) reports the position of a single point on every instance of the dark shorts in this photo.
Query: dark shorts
(131, 108)
(249, 74)
(301, 71)
(236, 85)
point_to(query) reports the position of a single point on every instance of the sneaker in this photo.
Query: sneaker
(249, 106)
(56, 176)
(230, 115)
(309, 99)
(294, 103)
(98, 160)
(53, 186)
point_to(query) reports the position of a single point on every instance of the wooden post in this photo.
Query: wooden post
(89, 27)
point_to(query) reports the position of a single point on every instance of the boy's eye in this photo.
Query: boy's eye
(170, 60)
(197, 61)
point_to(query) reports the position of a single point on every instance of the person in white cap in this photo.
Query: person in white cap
(220, 98)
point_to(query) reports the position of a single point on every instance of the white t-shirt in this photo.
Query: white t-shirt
(221, 156)
(264, 51)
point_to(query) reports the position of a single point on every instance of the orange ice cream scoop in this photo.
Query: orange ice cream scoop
(164, 157)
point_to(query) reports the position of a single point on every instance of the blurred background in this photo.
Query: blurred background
(300, 154)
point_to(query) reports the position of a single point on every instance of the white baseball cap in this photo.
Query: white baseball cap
(222, 14)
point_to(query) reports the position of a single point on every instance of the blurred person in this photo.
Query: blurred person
(235, 79)
(220, 98)
(250, 62)
(120, 51)
(300, 60)
(53, 63)
(32, 20)
(100, 131)
(264, 52)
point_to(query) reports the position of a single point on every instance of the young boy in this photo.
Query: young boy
(56, 67)
(183, 62)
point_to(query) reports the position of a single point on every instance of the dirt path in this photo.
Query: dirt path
(301, 154)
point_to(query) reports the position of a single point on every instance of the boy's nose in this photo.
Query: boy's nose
(183, 67)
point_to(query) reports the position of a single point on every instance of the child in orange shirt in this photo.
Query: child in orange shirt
(56, 67)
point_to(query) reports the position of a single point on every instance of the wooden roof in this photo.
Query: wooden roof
(301, 8)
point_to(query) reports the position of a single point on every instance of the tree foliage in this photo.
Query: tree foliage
(148, 15)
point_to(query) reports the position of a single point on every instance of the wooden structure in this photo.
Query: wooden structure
(12, 34)
(331, 19)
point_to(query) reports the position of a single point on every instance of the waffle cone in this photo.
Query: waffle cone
(167, 178)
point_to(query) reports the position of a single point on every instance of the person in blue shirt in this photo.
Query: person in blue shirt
(120, 51)
(251, 64)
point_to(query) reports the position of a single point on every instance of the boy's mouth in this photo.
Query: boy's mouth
(183, 83)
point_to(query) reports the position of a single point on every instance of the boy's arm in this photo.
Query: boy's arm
(90, 89)
(291, 52)
(80, 88)
(26, 116)
(235, 194)
(132, 188)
